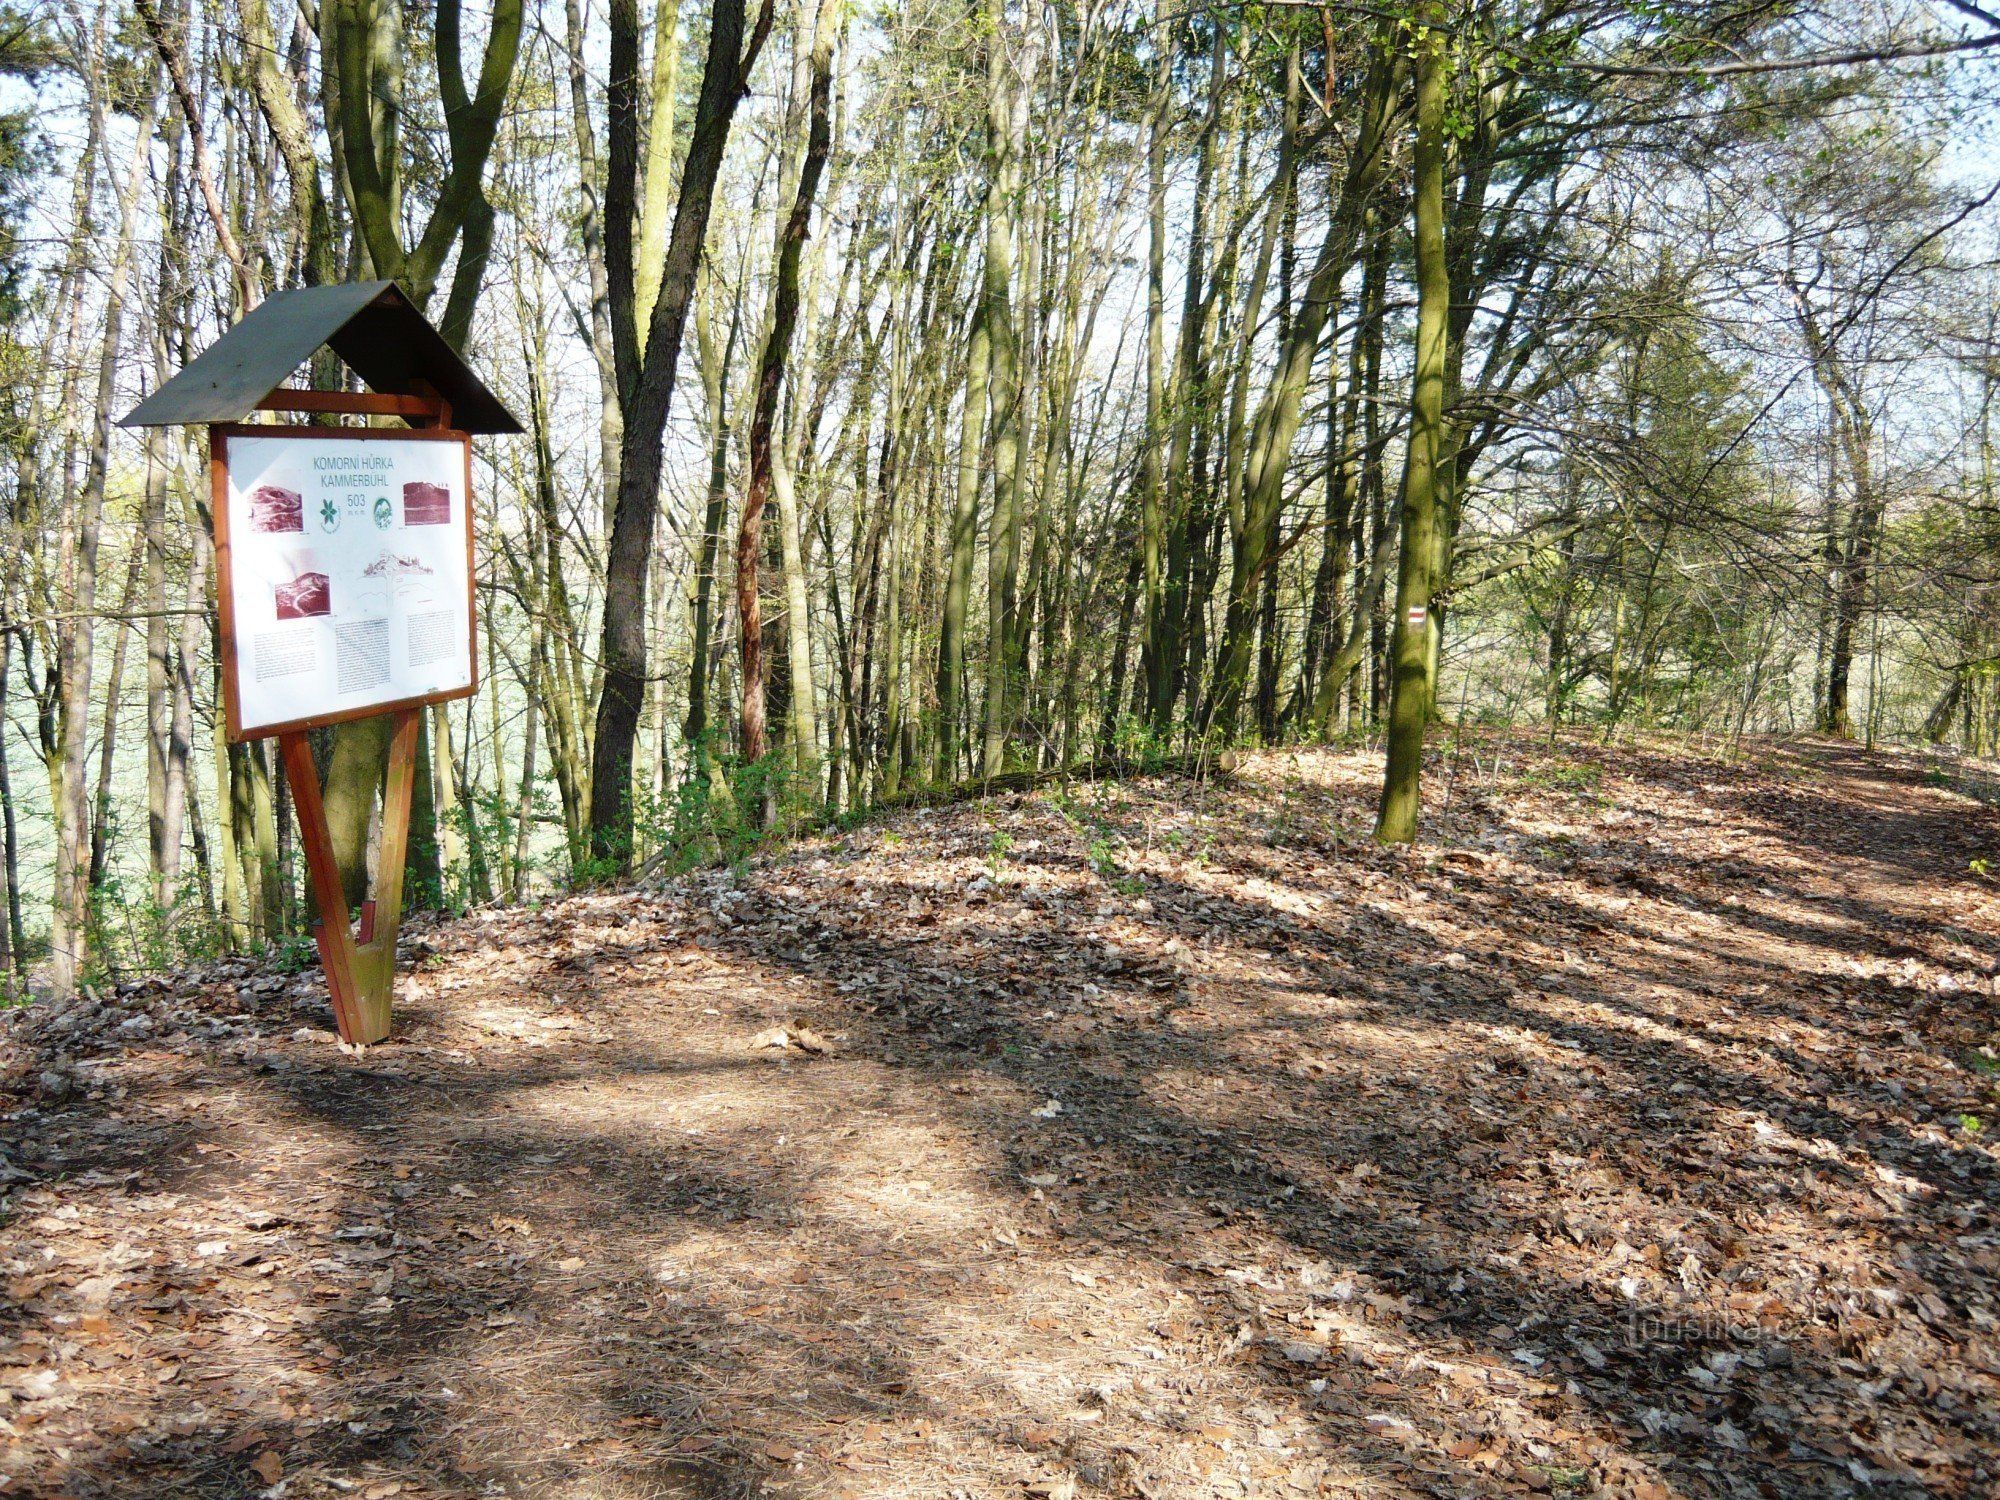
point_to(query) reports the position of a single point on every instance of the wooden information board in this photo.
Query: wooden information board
(344, 561)
(344, 568)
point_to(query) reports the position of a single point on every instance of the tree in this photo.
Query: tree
(364, 112)
(646, 377)
(817, 65)
(1413, 652)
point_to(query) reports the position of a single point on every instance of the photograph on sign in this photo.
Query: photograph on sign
(349, 573)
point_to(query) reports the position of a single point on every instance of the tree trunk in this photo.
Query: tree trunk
(166, 754)
(107, 743)
(651, 253)
(1850, 551)
(1164, 658)
(590, 227)
(1278, 414)
(650, 387)
(13, 940)
(1411, 684)
(1006, 125)
(818, 66)
(1152, 486)
(964, 543)
(68, 931)
(715, 376)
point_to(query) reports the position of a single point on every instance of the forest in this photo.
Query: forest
(921, 395)
(1223, 750)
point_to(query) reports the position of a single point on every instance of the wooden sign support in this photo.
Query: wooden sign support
(360, 966)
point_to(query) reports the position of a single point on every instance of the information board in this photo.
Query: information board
(344, 573)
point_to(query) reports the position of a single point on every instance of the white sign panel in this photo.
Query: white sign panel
(348, 577)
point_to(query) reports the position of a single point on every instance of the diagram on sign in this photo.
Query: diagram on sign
(274, 509)
(396, 578)
(305, 594)
(350, 573)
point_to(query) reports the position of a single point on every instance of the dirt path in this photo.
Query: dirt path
(1165, 1141)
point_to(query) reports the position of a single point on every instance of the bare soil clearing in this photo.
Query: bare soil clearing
(1145, 1139)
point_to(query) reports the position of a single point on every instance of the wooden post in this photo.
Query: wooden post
(360, 968)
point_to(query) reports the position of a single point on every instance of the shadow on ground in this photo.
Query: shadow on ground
(1186, 1145)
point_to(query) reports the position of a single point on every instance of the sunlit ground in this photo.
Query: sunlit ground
(1629, 1138)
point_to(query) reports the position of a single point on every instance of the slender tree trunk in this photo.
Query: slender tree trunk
(590, 227)
(75, 635)
(563, 690)
(1374, 481)
(657, 193)
(524, 808)
(424, 882)
(162, 683)
(13, 940)
(1165, 654)
(817, 65)
(1850, 550)
(715, 375)
(451, 837)
(964, 543)
(177, 796)
(496, 741)
(228, 853)
(1850, 602)
(894, 504)
(1411, 684)
(1152, 488)
(804, 695)
(242, 795)
(263, 810)
(107, 743)
(1114, 699)
(1343, 488)
(867, 615)
(1354, 466)
(650, 383)
(1278, 415)
(1006, 125)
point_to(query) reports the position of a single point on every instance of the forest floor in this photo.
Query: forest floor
(1630, 1137)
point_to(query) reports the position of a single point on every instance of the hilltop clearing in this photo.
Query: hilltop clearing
(1152, 1138)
